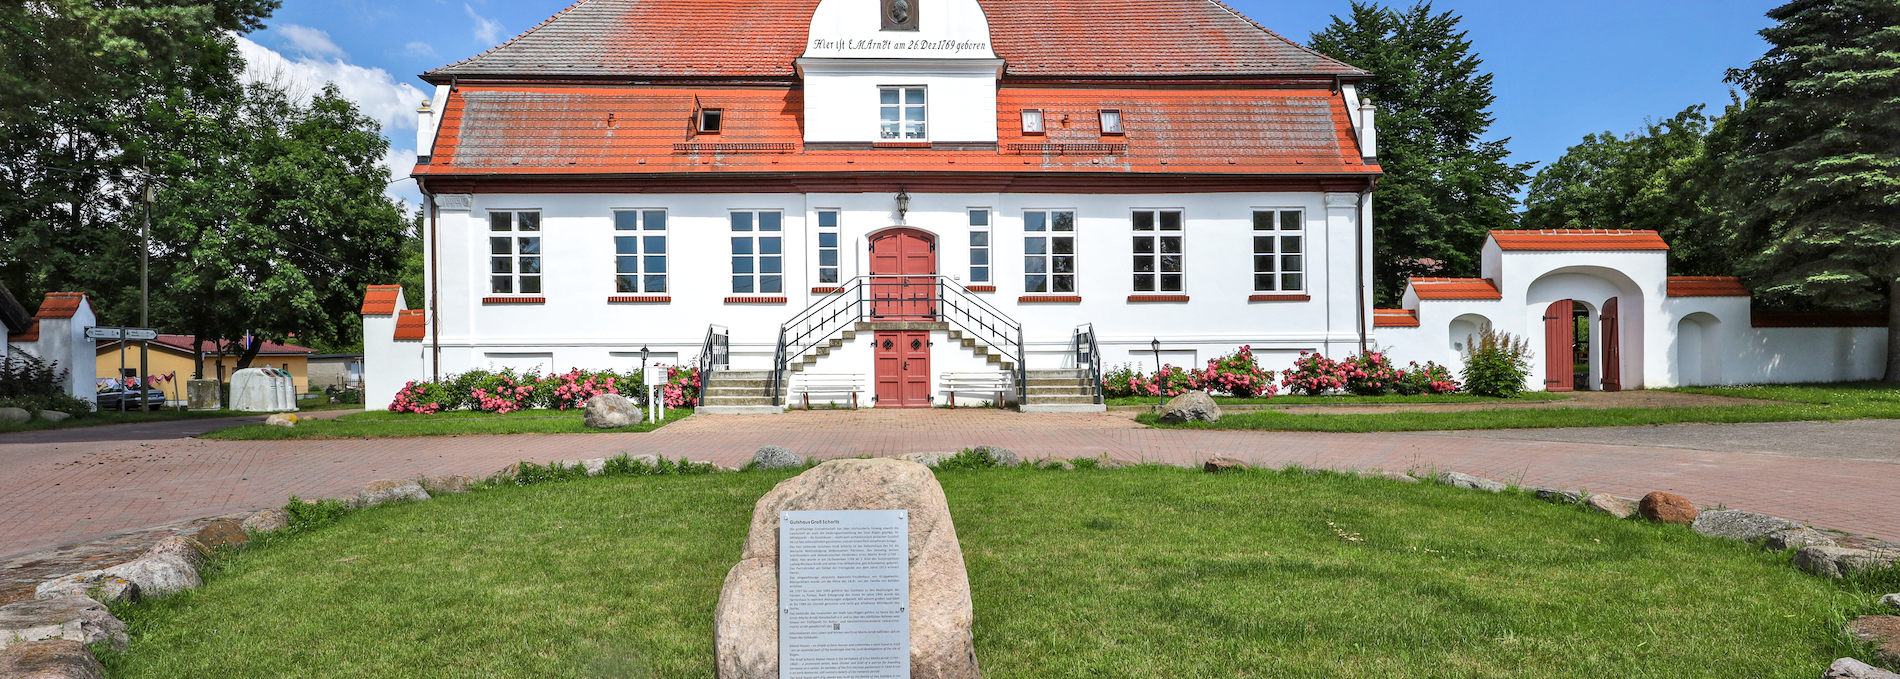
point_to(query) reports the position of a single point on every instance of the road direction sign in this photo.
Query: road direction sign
(99, 333)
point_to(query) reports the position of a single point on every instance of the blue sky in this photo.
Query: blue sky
(1563, 69)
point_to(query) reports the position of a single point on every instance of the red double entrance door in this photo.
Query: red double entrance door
(903, 288)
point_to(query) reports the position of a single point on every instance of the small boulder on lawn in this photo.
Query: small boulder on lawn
(1849, 668)
(1667, 508)
(776, 457)
(1221, 463)
(221, 533)
(73, 616)
(1891, 601)
(999, 456)
(1193, 406)
(1883, 631)
(169, 566)
(53, 416)
(1736, 524)
(1796, 538)
(928, 459)
(14, 416)
(451, 483)
(1468, 481)
(1835, 562)
(1611, 505)
(1569, 497)
(49, 659)
(281, 420)
(266, 520)
(389, 490)
(612, 411)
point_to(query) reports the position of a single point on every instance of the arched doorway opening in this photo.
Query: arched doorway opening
(1698, 358)
(903, 287)
(1570, 354)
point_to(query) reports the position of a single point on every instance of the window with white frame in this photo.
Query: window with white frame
(1158, 250)
(828, 247)
(901, 114)
(980, 246)
(1278, 251)
(758, 257)
(514, 249)
(1111, 121)
(640, 251)
(1032, 121)
(1049, 251)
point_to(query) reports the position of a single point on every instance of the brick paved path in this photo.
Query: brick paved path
(53, 493)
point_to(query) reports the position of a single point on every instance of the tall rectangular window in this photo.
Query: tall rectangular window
(980, 246)
(901, 114)
(1278, 251)
(514, 249)
(640, 251)
(828, 247)
(758, 253)
(1158, 250)
(1049, 251)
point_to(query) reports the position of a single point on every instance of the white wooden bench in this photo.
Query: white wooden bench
(806, 384)
(991, 382)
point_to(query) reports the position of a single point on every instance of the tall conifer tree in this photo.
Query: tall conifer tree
(1818, 157)
(1444, 188)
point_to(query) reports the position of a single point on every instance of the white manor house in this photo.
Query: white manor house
(906, 203)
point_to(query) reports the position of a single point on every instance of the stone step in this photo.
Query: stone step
(870, 326)
(1056, 381)
(742, 374)
(721, 381)
(1070, 374)
(737, 401)
(1074, 400)
(718, 390)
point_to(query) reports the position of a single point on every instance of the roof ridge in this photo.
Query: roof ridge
(1283, 38)
(512, 40)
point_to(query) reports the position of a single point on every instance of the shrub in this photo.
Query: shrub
(1369, 374)
(1313, 374)
(422, 398)
(1236, 374)
(1430, 378)
(1121, 382)
(28, 383)
(682, 387)
(1496, 363)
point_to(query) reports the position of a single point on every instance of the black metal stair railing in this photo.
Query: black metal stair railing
(1088, 355)
(925, 298)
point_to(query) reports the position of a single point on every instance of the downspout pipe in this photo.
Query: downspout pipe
(435, 288)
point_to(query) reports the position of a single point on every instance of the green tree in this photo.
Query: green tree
(1817, 154)
(1444, 188)
(1663, 178)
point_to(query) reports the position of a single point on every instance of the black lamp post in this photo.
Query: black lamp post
(643, 372)
(1160, 385)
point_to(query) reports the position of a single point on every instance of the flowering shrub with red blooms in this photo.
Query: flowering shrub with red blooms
(1431, 378)
(682, 387)
(1122, 382)
(1314, 374)
(1370, 374)
(573, 389)
(1236, 375)
(422, 398)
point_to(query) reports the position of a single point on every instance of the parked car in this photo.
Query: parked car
(109, 398)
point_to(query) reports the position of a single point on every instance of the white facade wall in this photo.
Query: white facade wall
(63, 340)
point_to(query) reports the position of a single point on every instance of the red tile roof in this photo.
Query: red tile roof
(1551, 240)
(60, 305)
(644, 130)
(1455, 288)
(622, 39)
(1706, 286)
(31, 334)
(1394, 318)
(184, 344)
(410, 325)
(381, 300)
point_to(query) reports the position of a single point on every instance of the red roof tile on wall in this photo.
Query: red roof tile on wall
(1456, 288)
(761, 38)
(410, 325)
(1706, 286)
(32, 334)
(1554, 240)
(381, 300)
(1394, 318)
(60, 305)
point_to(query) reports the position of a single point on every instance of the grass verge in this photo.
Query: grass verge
(1847, 401)
(1353, 400)
(1141, 572)
(353, 427)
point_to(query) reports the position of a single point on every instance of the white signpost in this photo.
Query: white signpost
(99, 333)
(655, 380)
(124, 334)
(844, 594)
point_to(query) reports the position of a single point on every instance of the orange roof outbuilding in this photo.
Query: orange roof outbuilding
(60, 305)
(410, 325)
(1560, 240)
(381, 300)
(1706, 286)
(1456, 288)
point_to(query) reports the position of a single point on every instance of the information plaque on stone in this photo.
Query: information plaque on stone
(844, 594)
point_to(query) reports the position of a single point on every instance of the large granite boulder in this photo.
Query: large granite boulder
(1193, 406)
(169, 566)
(1461, 480)
(52, 415)
(1736, 524)
(1849, 668)
(181, 548)
(1883, 631)
(97, 584)
(266, 520)
(49, 659)
(14, 416)
(73, 616)
(389, 490)
(1667, 508)
(745, 625)
(1835, 562)
(222, 533)
(612, 411)
(1611, 505)
(449, 483)
(776, 457)
(1796, 538)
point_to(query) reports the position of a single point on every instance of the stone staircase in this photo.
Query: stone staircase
(739, 392)
(1061, 391)
(995, 357)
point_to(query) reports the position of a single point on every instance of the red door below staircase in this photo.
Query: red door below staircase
(903, 368)
(903, 266)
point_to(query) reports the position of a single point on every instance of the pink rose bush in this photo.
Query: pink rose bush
(1368, 374)
(507, 391)
(1236, 374)
(1314, 374)
(1431, 378)
(421, 398)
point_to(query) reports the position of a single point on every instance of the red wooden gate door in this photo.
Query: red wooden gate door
(1612, 348)
(903, 368)
(1559, 335)
(902, 263)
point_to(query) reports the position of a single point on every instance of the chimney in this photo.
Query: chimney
(425, 132)
(1368, 133)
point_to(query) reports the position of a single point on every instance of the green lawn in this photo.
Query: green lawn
(381, 424)
(1351, 400)
(1141, 572)
(1846, 401)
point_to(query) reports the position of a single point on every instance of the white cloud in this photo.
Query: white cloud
(375, 92)
(420, 49)
(309, 41)
(487, 31)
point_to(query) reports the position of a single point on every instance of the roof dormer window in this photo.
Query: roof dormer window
(901, 114)
(1032, 121)
(710, 119)
(1111, 121)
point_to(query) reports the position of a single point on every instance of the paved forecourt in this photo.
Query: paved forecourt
(59, 492)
